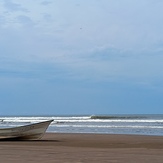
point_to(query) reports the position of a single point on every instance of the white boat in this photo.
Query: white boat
(27, 132)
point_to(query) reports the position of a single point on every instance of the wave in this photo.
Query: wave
(116, 117)
(83, 119)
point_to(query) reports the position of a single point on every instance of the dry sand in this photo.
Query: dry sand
(75, 148)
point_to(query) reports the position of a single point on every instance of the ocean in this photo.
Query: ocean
(99, 124)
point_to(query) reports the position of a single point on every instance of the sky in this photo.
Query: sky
(73, 57)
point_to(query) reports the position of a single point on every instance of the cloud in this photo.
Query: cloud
(45, 3)
(2, 21)
(13, 7)
(99, 41)
(25, 21)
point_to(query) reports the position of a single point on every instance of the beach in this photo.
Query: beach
(60, 147)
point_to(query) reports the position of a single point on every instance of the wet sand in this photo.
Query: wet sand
(75, 148)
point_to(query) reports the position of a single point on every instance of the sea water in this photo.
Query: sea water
(100, 124)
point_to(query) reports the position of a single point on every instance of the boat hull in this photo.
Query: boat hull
(28, 132)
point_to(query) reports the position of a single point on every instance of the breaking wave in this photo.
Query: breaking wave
(116, 117)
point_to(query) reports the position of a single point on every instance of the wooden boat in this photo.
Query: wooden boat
(27, 132)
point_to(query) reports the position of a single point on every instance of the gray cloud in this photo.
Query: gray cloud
(2, 20)
(25, 20)
(46, 2)
(13, 7)
(47, 17)
(108, 44)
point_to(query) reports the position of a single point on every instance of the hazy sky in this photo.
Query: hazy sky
(81, 57)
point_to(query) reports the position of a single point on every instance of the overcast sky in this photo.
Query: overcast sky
(81, 57)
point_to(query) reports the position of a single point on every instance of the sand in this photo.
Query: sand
(75, 148)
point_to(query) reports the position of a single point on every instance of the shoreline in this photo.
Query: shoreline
(63, 147)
